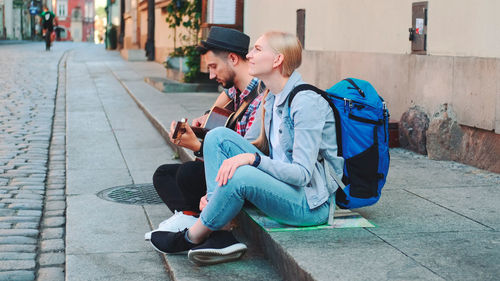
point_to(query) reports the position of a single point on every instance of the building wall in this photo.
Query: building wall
(80, 28)
(136, 29)
(455, 27)
(369, 40)
(9, 24)
(130, 40)
(2, 19)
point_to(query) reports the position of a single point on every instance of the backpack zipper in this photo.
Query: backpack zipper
(350, 101)
(386, 116)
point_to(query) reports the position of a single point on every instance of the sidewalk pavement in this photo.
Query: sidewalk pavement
(111, 143)
(436, 219)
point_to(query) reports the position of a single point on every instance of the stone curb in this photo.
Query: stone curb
(50, 262)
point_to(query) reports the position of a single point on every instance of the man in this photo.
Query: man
(182, 186)
(47, 18)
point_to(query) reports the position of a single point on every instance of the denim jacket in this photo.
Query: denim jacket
(307, 136)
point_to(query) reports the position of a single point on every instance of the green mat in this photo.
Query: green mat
(342, 219)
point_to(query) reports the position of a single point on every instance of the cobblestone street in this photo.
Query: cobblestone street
(31, 236)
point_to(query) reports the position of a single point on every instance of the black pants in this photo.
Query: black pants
(181, 186)
(48, 33)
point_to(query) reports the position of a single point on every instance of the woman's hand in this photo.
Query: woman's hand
(187, 139)
(229, 166)
(203, 202)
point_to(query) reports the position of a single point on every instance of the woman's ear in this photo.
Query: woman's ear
(278, 60)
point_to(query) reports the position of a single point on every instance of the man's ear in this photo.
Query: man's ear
(233, 59)
(278, 60)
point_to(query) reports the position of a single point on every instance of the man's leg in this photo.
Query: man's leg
(192, 184)
(165, 183)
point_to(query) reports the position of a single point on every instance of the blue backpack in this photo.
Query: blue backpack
(362, 127)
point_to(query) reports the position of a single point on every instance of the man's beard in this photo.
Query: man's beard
(229, 83)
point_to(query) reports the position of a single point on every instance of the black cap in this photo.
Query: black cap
(225, 39)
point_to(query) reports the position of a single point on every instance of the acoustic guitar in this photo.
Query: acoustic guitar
(218, 117)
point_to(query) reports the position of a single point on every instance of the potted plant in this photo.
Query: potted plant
(185, 59)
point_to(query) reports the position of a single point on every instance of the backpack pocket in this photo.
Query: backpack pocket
(362, 166)
(362, 171)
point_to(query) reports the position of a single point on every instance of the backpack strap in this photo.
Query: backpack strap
(238, 115)
(305, 87)
(340, 195)
(355, 86)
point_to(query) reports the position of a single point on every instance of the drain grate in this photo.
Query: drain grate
(137, 194)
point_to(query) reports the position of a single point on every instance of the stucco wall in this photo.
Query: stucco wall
(164, 36)
(369, 40)
(455, 27)
(470, 84)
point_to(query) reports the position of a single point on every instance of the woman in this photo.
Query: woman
(286, 178)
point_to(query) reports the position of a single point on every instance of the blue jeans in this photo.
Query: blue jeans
(284, 203)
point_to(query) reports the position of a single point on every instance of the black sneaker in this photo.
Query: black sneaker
(170, 242)
(220, 247)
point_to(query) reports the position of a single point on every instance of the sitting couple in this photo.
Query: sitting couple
(274, 159)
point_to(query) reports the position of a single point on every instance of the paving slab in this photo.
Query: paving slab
(93, 180)
(98, 226)
(157, 213)
(350, 254)
(479, 203)
(410, 170)
(453, 255)
(399, 211)
(98, 151)
(131, 266)
(147, 158)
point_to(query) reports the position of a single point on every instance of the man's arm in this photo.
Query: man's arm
(221, 101)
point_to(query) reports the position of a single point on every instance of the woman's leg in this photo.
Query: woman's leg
(219, 145)
(281, 201)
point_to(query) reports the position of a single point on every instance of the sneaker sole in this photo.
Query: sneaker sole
(214, 256)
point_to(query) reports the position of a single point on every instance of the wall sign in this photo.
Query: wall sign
(221, 11)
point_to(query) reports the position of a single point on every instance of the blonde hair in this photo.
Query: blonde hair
(289, 46)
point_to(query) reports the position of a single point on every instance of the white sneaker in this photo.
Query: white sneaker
(178, 222)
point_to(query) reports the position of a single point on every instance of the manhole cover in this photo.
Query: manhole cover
(138, 194)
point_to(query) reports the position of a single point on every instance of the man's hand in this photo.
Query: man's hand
(203, 202)
(187, 139)
(198, 122)
(229, 166)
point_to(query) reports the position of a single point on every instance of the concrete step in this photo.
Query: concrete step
(134, 54)
(171, 86)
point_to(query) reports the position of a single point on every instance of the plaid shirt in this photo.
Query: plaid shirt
(249, 116)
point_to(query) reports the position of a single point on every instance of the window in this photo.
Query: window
(89, 11)
(62, 9)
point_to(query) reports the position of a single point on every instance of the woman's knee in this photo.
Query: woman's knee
(243, 180)
(216, 135)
